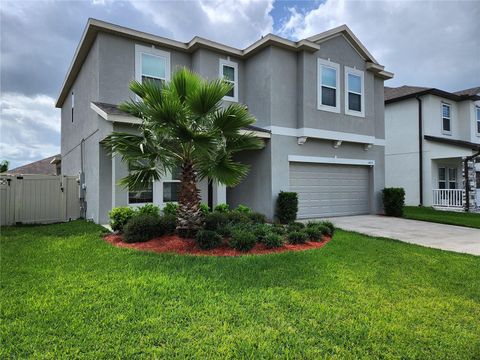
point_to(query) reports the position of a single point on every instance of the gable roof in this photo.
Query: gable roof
(406, 92)
(45, 166)
(470, 92)
(95, 26)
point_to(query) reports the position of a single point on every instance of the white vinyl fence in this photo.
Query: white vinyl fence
(30, 199)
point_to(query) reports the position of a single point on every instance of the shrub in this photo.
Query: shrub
(143, 228)
(225, 230)
(261, 231)
(329, 225)
(169, 222)
(119, 217)
(287, 206)
(273, 240)
(297, 237)
(257, 218)
(295, 226)
(325, 230)
(393, 201)
(215, 220)
(314, 233)
(223, 208)
(278, 229)
(204, 209)
(170, 209)
(207, 239)
(242, 239)
(149, 209)
(237, 218)
(243, 209)
(312, 224)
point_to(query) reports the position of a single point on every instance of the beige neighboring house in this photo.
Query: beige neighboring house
(47, 166)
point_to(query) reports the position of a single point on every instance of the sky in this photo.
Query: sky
(433, 44)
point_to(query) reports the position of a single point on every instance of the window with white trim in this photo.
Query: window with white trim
(171, 186)
(447, 178)
(477, 112)
(446, 119)
(229, 72)
(354, 92)
(328, 86)
(151, 64)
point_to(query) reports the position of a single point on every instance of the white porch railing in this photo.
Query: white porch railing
(448, 198)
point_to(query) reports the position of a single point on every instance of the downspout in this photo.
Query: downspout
(467, 185)
(420, 149)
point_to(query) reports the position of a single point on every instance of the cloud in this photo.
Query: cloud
(424, 43)
(30, 128)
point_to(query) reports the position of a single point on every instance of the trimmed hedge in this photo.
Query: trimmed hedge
(393, 201)
(287, 206)
(143, 227)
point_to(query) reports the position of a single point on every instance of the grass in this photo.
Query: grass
(442, 217)
(65, 293)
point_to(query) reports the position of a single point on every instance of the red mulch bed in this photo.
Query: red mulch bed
(176, 244)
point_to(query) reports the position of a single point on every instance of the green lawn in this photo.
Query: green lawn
(65, 293)
(443, 217)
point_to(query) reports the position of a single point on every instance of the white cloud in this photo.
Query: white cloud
(29, 129)
(424, 43)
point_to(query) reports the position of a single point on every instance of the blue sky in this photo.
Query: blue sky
(425, 43)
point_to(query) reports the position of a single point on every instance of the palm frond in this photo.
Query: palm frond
(207, 97)
(231, 119)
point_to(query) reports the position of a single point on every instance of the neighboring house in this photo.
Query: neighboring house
(47, 166)
(319, 105)
(428, 133)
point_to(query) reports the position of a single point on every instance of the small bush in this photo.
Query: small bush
(297, 237)
(143, 228)
(393, 201)
(207, 239)
(295, 226)
(261, 231)
(325, 230)
(225, 230)
(149, 209)
(314, 233)
(243, 209)
(329, 225)
(204, 209)
(278, 229)
(216, 220)
(257, 218)
(223, 208)
(312, 224)
(170, 209)
(242, 239)
(287, 206)
(273, 241)
(236, 218)
(169, 222)
(119, 217)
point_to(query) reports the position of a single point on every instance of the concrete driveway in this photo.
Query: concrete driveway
(439, 236)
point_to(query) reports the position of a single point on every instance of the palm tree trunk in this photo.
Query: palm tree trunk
(189, 215)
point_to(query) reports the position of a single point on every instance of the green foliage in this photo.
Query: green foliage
(278, 229)
(297, 237)
(169, 222)
(207, 239)
(295, 226)
(235, 218)
(143, 227)
(223, 208)
(257, 218)
(261, 231)
(314, 233)
(287, 206)
(204, 209)
(216, 220)
(242, 239)
(325, 230)
(119, 217)
(148, 209)
(312, 224)
(4, 166)
(329, 225)
(273, 240)
(393, 201)
(170, 209)
(243, 209)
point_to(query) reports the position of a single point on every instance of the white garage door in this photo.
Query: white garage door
(330, 190)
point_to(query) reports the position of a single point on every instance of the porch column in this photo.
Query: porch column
(219, 194)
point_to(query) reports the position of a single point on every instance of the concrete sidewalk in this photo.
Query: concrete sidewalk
(446, 237)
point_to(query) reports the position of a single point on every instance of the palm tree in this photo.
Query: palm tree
(184, 126)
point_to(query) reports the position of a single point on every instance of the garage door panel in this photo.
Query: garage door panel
(330, 190)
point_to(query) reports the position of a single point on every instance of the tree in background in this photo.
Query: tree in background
(4, 166)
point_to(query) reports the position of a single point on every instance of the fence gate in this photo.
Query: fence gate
(30, 199)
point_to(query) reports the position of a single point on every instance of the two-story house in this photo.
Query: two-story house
(429, 133)
(319, 105)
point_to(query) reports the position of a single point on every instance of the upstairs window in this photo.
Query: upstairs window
(477, 112)
(151, 65)
(354, 92)
(171, 186)
(229, 73)
(328, 86)
(446, 119)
